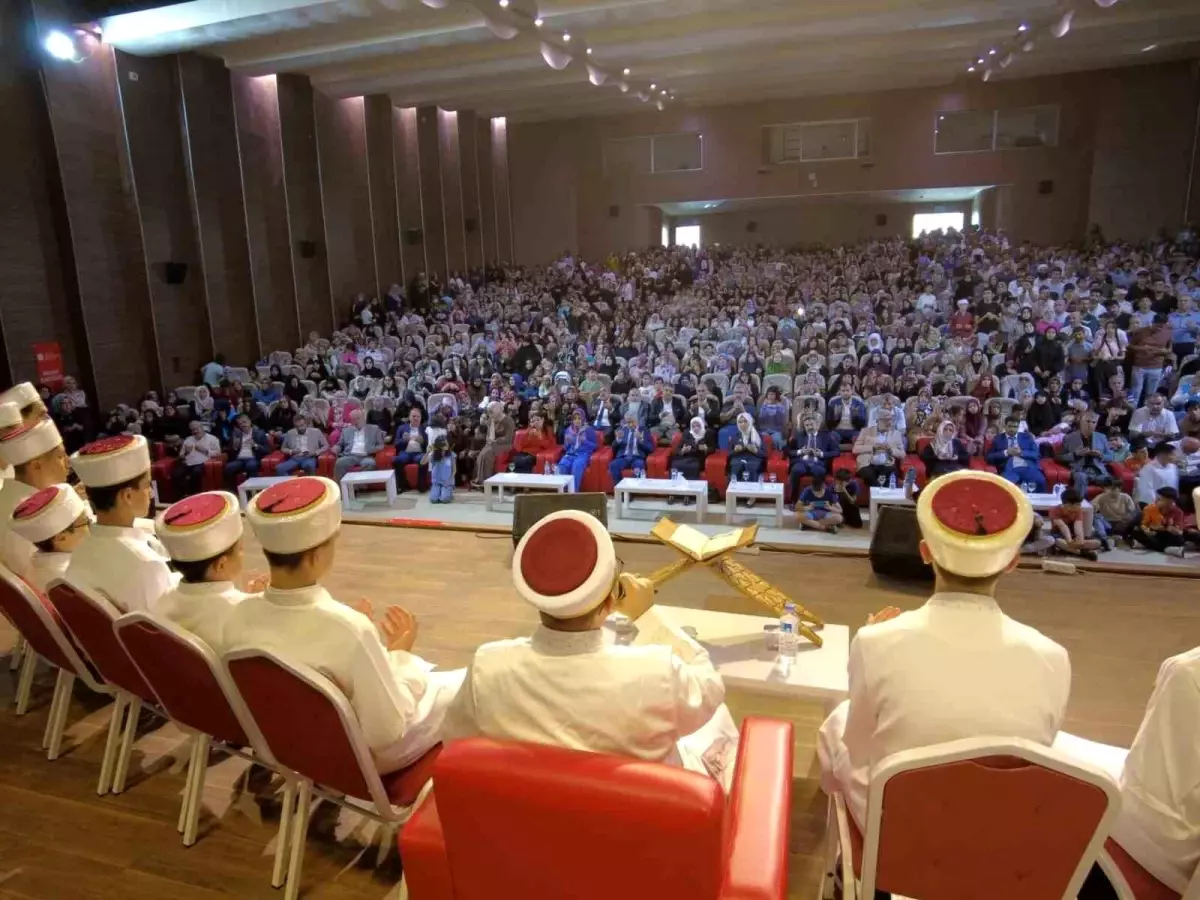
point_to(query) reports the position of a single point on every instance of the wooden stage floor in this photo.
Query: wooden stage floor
(58, 839)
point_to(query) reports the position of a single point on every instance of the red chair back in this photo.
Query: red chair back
(38, 622)
(1016, 826)
(305, 721)
(532, 818)
(183, 673)
(91, 625)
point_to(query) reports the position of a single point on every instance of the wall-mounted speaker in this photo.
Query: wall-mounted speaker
(752, 227)
(614, 212)
(1046, 187)
(470, 225)
(412, 236)
(308, 249)
(880, 219)
(174, 272)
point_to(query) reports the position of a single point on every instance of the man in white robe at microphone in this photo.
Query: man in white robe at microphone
(958, 667)
(571, 685)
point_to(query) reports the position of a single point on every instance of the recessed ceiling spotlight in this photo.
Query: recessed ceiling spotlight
(626, 72)
(539, 22)
(992, 52)
(1027, 46)
(1149, 47)
(664, 93)
(970, 68)
(567, 37)
(653, 86)
(589, 51)
(503, 4)
(1063, 25)
(1022, 28)
(979, 62)
(987, 74)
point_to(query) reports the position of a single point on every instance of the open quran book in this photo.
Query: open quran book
(697, 544)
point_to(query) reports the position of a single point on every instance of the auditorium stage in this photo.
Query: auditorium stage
(469, 511)
(58, 839)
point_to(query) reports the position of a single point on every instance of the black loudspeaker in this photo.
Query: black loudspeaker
(174, 272)
(752, 227)
(1046, 187)
(614, 212)
(412, 236)
(881, 219)
(470, 225)
(532, 508)
(895, 545)
(308, 249)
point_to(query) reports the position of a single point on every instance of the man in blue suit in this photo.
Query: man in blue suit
(810, 452)
(847, 414)
(631, 445)
(1015, 455)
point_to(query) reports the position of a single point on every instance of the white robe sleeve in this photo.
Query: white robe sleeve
(698, 691)
(861, 719)
(461, 720)
(383, 688)
(147, 579)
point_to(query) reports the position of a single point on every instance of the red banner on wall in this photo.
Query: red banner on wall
(48, 356)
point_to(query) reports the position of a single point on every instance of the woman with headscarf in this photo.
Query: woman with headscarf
(945, 453)
(745, 450)
(579, 443)
(537, 438)
(1049, 358)
(500, 431)
(203, 405)
(1042, 415)
(693, 449)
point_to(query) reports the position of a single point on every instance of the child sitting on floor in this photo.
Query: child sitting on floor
(820, 510)
(440, 460)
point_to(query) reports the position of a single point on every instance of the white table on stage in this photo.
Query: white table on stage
(254, 485)
(895, 497)
(622, 493)
(737, 646)
(351, 481)
(493, 488)
(753, 490)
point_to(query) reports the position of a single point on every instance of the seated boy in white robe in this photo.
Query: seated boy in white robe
(203, 534)
(399, 702)
(571, 686)
(54, 520)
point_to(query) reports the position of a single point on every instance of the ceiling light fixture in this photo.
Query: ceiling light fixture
(567, 37)
(539, 22)
(589, 51)
(979, 62)
(503, 4)
(626, 72)
(1105, 4)
(1149, 47)
(664, 93)
(1063, 25)
(1022, 28)
(60, 46)
(992, 52)
(1027, 46)
(970, 68)
(653, 86)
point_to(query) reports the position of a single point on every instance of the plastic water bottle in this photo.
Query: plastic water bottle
(789, 631)
(892, 481)
(676, 475)
(1058, 491)
(546, 468)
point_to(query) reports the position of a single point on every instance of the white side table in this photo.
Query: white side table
(253, 486)
(622, 493)
(493, 488)
(753, 490)
(353, 480)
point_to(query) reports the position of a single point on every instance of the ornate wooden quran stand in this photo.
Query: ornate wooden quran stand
(717, 554)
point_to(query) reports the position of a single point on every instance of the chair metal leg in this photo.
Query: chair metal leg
(187, 784)
(50, 716)
(197, 772)
(386, 837)
(298, 840)
(111, 746)
(831, 846)
(63, 688)
(18, 651)
(25, 682)
(131, 721)
(285, 832)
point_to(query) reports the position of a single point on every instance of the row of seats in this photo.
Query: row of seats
(268, 710)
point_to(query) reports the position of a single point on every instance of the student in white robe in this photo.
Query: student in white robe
(571, 686)
(119, 559)
(399, 701)
(54, 520)
(36, 453)
(957, 667)
(203, 534)
(31, 409)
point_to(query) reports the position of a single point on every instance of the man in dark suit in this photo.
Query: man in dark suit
(1015, 455)
(244, 450)
(810, 451)
(668, 400)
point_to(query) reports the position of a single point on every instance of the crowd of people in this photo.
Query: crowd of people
(951, 351)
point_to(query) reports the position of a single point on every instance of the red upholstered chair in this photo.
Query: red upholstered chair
(213, 478)
(270, 461)
(383, 462)
(1132, 882)
(308, 726)
(47, 638)
(543, 823)
(1055, 472)
(90, 620)
(1126, 476)
(162, 470)
(658, 463)
(193, 688)
(325, 463)
(596, 478)
(716, 473)
(1004, 813)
